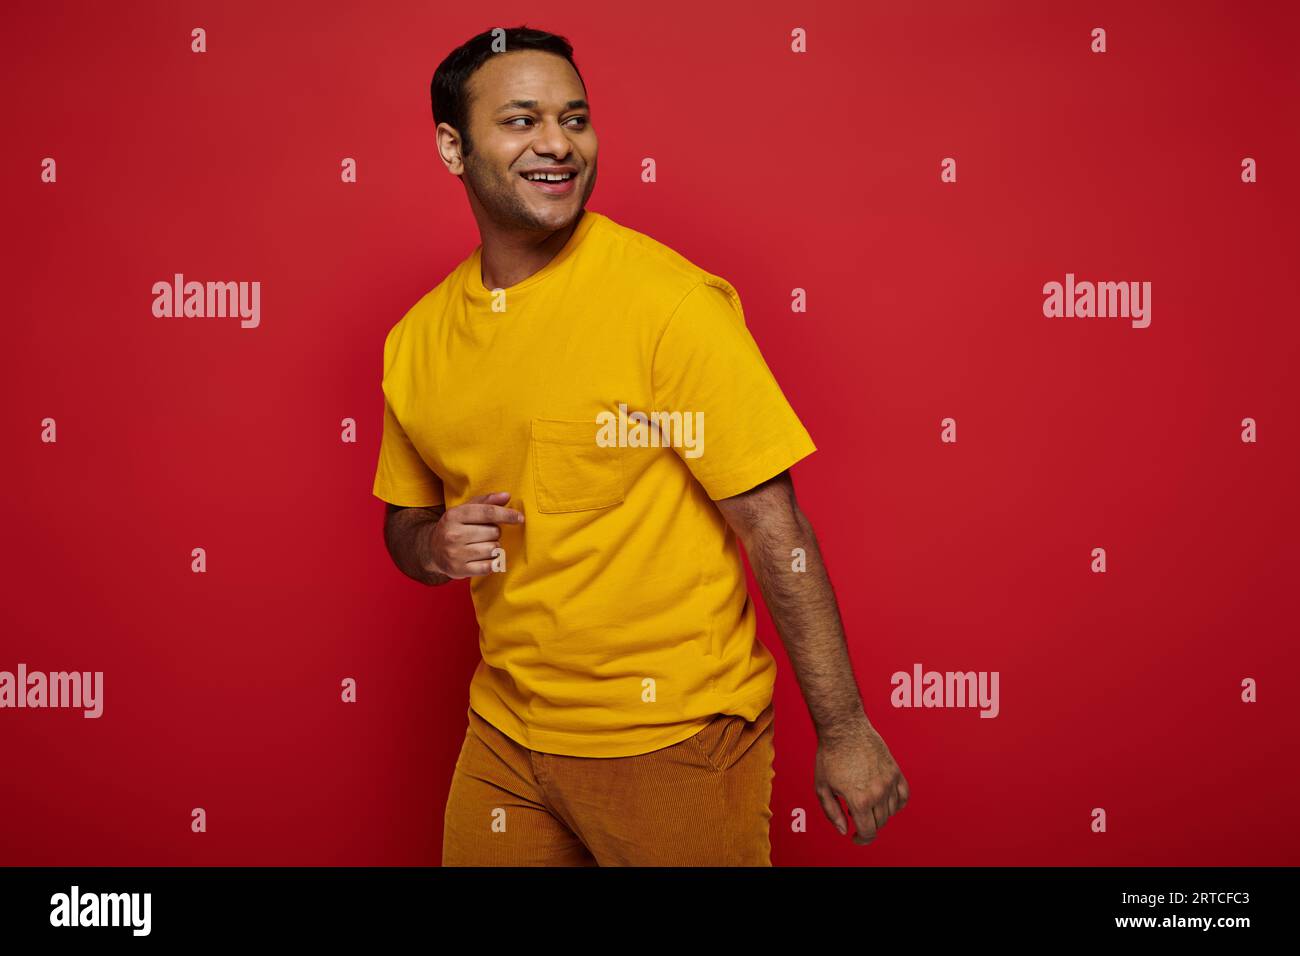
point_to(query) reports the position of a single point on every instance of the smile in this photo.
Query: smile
(553, 186)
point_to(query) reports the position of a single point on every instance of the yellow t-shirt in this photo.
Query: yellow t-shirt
(622, 622)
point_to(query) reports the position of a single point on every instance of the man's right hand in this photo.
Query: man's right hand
(461, 542)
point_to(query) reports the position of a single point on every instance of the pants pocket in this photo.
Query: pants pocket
(727, 738)
(717, 741)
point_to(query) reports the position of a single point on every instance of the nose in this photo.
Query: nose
(552, 141)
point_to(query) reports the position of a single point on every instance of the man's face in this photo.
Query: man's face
(528, 112)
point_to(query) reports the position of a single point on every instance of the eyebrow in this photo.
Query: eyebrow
(532, 105)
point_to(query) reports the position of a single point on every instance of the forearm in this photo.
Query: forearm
(804, 610)
(407, 536)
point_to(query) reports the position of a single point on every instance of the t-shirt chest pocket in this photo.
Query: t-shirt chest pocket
(571, 471)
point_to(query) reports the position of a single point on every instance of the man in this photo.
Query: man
(622, 713)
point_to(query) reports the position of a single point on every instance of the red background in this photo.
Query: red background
(819, 171)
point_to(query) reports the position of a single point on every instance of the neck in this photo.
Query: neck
(510, 256)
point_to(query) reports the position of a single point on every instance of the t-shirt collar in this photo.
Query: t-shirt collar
(480, 295)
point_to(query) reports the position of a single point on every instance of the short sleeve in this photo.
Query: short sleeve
(707, 362)
(402, 477)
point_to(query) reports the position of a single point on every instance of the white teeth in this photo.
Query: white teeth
(549, 177)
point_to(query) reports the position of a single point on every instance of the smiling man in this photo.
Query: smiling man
(622, 712)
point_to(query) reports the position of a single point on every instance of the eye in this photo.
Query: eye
(582, 121)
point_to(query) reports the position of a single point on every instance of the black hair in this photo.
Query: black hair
(448, 91)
